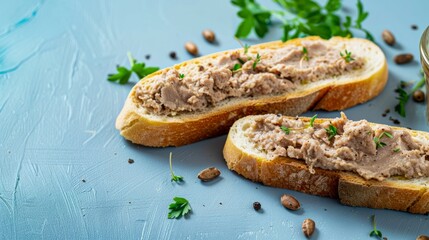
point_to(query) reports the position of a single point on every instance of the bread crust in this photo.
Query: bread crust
(349, 188)
(158, 131)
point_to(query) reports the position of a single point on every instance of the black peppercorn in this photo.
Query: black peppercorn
(418, 96)
(257, 206)
(173, 55)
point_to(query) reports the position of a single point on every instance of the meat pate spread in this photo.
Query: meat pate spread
(206, 83)
(372, 151)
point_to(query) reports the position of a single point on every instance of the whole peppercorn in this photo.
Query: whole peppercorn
(257, 206)
(209, 35)
(403, 58)
(191, 48)
(418, 96)
(388, 37)
(173, 55)
(308, 227)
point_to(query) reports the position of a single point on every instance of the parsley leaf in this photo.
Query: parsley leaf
(299, 18)
(254, 17)
(123, 74)
(178, 208)
(181, 75)
(174, 177)
(312, 120)
(236, 67)
(375, 233)
(285, 129)
(396, 150)
(347, 56)
(362, 15)
(331, 131)
(333, 5)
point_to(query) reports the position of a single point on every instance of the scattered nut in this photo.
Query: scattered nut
(191, 48)
(308, 227)
(422, 237)
(403, 58)
(290, 202)
(209, 174)
(418, 96)
(388, 37)
(257, 206)
(209, 35)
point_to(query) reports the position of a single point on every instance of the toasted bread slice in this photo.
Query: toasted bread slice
(397, 193)
(139, 126)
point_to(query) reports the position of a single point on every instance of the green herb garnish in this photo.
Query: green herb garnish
(174, 177)
(237, 67)
(181, 75)
(179, 207)
(375, 233)
(299, 18)
(331, 131)
(246, 48)
(378, 142)
(347, 56)
(285, 129)
(312, 120)
(305, 54)
(257, 60)
(396, 149)
(403, 96)
(124, 74)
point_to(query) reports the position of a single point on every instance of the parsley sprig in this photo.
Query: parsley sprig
(246, 48)
(312, 120)
(179, 207)
(378, 142)
(257, 60)
(123, 74)
(236, 67)
(347, 56)
(305, 54)
(174, 177)
(403, 96)
(285, 129)
(331, 131)
(299, 18)
(375, 233)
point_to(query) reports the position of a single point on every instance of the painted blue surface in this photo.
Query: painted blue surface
(58, 111)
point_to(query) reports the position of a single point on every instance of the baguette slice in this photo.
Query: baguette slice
(357, 86)
(397, 193)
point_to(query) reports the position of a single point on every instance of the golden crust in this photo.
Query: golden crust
(176, 131)
(349, 188)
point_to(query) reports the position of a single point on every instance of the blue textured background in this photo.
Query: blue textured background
(57, 114)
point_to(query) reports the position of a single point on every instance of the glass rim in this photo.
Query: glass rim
(424, 46)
